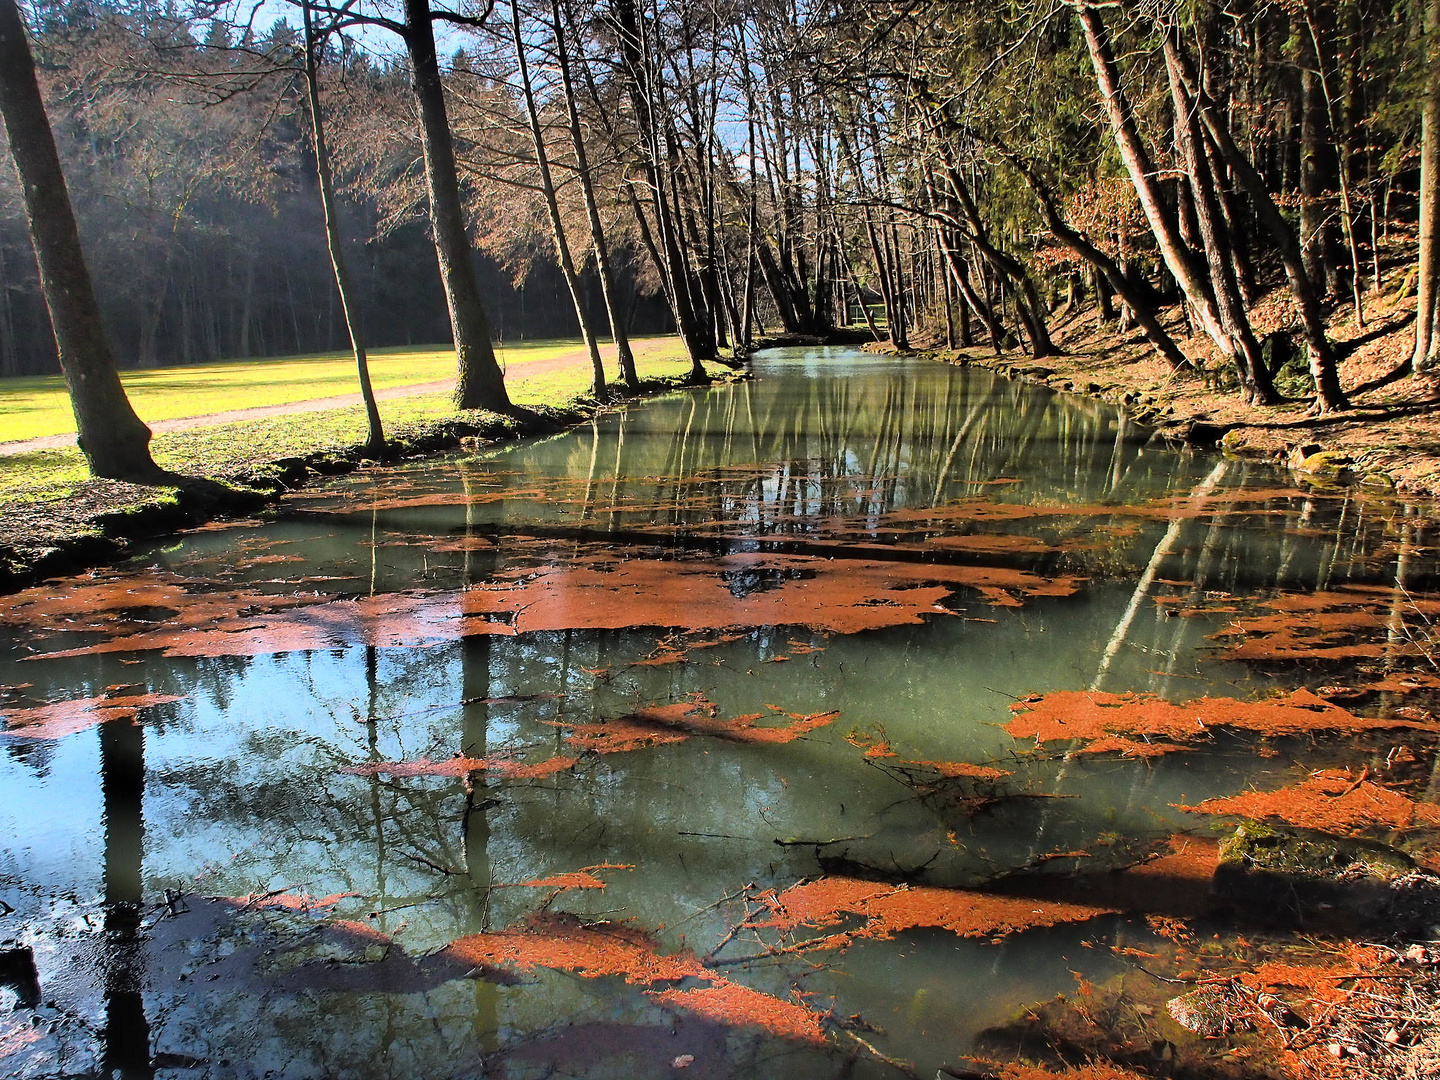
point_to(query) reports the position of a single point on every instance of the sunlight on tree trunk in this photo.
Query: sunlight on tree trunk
(113, 439)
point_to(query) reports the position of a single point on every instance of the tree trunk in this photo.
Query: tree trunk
(479, 382)
(699, 338)
(1254, 376)
(1029, 311)
(113, 439)
(1323, 361)
(1135, 302)
(1178, 259)
(1427, 311)
(375, 437)
(1317, 165)
(552, 205)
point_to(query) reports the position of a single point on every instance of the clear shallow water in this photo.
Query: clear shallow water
(910, 546)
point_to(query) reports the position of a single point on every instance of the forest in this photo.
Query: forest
(949, 172)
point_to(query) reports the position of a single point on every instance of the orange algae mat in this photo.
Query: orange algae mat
(887, 910)
(1095, 1071)
(654, 725)
(584, 878)
(1355, 622)
(563, 943)
(1091, 716)
(61, 718)
(159, 612)
(461, 766)
(1330, 800)
(657, 725)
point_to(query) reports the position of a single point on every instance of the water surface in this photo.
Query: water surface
(706, 648)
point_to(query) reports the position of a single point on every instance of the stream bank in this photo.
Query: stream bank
(100, 522)
(1388, 441)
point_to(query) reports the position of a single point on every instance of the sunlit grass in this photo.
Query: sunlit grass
(223, 448)
(32, 408)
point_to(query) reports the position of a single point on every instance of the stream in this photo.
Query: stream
(674, 745)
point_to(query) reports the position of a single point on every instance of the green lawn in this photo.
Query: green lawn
(36, 407)
(212, 450)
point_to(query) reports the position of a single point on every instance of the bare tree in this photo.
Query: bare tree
(314, 47)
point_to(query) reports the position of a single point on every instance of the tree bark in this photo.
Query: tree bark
(552, 205)
(1323, 361)
(479, 382)
(1029, 311)
(113, 439)
(1139, 306)
(1177, 257)
(1215, 236)
(1427, 310)
(375, 432)
(699, 337)
(625, 357)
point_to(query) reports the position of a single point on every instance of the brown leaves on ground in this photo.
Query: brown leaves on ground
(1330, 800)
(1313, 1011)
(1143, 723)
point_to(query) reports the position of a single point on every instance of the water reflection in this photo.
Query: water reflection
(941, 544)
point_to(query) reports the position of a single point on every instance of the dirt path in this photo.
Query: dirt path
(338, 401)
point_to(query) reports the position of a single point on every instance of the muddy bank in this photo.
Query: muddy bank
(98, 523)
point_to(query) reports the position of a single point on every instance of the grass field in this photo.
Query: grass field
(213, 450)
(33, 408)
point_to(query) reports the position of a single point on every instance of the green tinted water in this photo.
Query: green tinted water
(335, 641)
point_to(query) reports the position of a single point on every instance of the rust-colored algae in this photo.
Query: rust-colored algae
(1091, 717)
(460, 766)
(288, 901)
(656, 725)
(1099, 1070)
(602, 591)
(956, 770)
(1352, 622)
(1330, 800)
(583, 878)
(563, 943)
(61, 718)
(736, 1005)
(887, 910)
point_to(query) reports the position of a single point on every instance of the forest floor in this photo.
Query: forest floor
(1388, 440)
(54, 518)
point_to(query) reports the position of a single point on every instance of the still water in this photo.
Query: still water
(499, 765)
